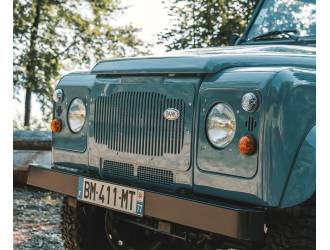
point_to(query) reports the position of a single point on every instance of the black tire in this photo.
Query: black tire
(83, 227)
(292, 228)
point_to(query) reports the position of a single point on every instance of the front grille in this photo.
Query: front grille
(144, 174)
(117, 169)
(133, 122)
(154, 175)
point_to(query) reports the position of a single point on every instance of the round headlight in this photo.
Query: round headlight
(221, 125)
(249, 102)
(76, 115)
(58, 95)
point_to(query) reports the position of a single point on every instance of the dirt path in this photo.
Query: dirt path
(36, 219)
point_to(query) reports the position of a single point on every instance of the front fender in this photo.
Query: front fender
(301, 183)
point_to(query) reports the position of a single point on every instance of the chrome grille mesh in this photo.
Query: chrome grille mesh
(154, 175)
(117, 169)
(144, 174)
(133, 122)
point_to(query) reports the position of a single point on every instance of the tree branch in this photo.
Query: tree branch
(67, 48)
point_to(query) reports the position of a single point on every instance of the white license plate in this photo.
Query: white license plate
(112, 196)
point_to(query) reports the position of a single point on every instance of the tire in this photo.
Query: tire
(292, 228)
(83, 227)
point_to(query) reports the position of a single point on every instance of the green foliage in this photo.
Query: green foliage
(49, 34)
(205, 23)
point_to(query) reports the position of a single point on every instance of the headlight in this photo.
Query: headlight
(221, 125)
(76, 115)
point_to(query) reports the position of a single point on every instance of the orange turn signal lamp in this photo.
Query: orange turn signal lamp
(247, 145)
(56, 125)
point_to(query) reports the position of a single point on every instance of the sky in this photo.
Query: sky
(148, 15)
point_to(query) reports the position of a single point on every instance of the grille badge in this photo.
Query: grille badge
(171, 114)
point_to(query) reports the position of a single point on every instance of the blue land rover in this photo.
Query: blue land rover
(198, 149)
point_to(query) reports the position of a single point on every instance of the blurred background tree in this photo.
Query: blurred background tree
(54, 36)
(51, 33)
(205, 23)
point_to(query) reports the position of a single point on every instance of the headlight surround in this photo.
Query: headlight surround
(76, 115)
(221, 125)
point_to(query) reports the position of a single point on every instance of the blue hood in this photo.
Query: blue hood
(211, 60)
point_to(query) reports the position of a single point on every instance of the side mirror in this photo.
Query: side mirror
(233, 39)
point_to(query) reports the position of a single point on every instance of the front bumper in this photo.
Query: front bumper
(232, 221)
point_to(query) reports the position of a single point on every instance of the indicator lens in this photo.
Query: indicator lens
(249, 102)
(56, 125)
(247, 145)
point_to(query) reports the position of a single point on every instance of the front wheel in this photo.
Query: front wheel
(292, 228)
(88, 227)
(82, 227)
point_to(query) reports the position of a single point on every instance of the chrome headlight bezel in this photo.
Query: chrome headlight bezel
(225, 114)
(76, 116)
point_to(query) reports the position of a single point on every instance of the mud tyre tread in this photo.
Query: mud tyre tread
(292, 228)
(82, 227)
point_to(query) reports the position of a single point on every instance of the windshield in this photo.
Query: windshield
(282, 15)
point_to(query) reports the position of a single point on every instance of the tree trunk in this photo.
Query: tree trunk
(194, 25)
(32, 140)
(27, 107)
(32, 57)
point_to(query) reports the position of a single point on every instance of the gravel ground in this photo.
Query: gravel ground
(36, 219)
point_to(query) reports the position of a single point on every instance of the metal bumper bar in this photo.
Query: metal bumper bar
(234, 222)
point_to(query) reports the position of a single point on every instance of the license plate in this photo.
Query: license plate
(112, 196)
